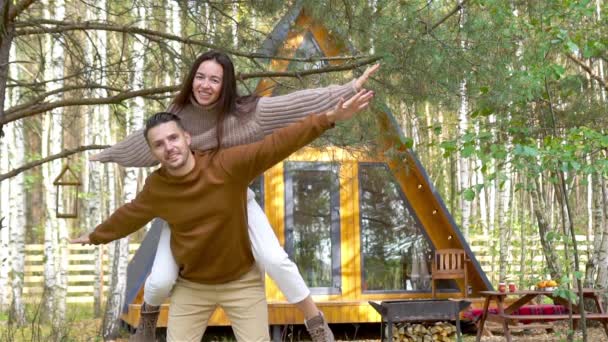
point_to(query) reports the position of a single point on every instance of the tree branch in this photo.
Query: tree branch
(588, 70)
(455, 10)
(18, 8)
(65, 26)
(39, 162)
(63, 90)
(299, 74)
(34, 108)
(12, 115)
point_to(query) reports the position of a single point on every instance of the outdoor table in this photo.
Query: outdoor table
(505, 314)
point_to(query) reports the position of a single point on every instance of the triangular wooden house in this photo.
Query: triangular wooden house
(374, 225)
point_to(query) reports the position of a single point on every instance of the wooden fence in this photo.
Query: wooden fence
(487, 253)
(81, 269)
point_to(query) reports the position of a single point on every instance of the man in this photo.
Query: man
(203, 197)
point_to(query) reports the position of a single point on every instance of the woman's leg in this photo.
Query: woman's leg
(164, 271)
(158, 285)
(271, 257)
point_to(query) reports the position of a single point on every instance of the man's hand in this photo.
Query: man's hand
(360, 82)
(83, 239)
(354, 105)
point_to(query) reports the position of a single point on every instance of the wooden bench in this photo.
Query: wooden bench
(505, 314)
(534, 318)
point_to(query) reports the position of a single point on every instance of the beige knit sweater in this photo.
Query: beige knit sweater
(270, 114)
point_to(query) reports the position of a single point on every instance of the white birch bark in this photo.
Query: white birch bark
(121, 247)
(235, 24)
(600, 62)
(174, 17)
(16, 221)
(482, 196)
(492, 188)
(463, 163)
(55, 279)
(373, 4)
(5, 260)
(210, 23)
(5, 197)
(504, 226)
(590, 220)
(602, 235)
(598, 220)
(97, 122)
(600, 243)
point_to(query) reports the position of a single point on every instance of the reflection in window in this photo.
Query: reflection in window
(258, 188)
(395, 253)
(312, 223)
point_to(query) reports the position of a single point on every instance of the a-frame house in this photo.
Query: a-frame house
(376, 223)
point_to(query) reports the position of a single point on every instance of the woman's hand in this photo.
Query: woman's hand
(360, 82)
(354, 105)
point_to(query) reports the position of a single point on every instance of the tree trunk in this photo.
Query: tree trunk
(482, 195)
(600, 62)
(543, 228)
(6, 40)
(55, 279)
(602, 251)
(51, 144)
(6, 157)
(97, 132)
(118, 284)
(463, 163)
(16, 221)
(134, 121)
(5, 260)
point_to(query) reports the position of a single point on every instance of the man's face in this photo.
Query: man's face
(170, 145)
(207, 83)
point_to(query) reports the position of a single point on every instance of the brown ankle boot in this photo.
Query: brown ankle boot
(318, 329)
(146, 330)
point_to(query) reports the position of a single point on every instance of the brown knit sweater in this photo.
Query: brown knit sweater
(207, 208)
(269, 114)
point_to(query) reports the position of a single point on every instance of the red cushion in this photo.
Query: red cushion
(539, 309)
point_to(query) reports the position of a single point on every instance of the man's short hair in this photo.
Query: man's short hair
(161, 118)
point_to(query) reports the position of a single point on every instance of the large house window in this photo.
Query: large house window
(395, 252)
(312, 223)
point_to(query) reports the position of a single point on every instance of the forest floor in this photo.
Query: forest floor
(88, 331)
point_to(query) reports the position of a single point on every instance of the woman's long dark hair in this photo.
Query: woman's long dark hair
(229, 101)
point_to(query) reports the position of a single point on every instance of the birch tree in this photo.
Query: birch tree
(135, 119)
(97, 123)
(16, 223)
(463, 173)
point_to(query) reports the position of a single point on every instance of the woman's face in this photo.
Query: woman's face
(207, 84)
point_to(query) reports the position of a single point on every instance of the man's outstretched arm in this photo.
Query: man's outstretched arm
(248, 161)
(124, 221)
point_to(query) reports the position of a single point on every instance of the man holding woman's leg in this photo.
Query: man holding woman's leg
(211, 109)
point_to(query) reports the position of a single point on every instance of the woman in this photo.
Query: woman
(215, 115)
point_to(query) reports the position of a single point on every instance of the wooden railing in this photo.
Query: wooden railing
(81, 269)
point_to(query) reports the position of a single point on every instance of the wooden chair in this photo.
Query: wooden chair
(450, 264)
